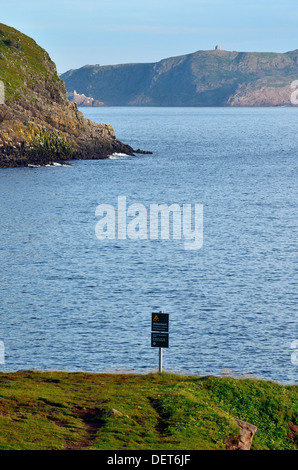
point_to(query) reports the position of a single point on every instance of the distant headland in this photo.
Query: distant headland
(204, 78)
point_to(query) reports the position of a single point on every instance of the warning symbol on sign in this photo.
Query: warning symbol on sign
(156, 318)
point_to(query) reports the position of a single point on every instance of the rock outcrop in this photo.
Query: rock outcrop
(244, 440)
(293, 434)
(38, 124)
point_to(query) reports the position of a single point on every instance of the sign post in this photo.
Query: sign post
(160, 334)
(160, 361)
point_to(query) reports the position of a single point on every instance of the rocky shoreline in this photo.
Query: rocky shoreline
(38, 124)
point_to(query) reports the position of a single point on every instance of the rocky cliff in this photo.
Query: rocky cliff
(38, 124)
(204, 78)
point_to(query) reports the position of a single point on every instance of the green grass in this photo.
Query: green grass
(24, 66)
(59, 410)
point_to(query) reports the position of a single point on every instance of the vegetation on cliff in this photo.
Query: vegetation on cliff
(60, 410)
(203, 78)
(37, 122)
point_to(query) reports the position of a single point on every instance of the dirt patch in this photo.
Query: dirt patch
(93, 420)
(293, 434)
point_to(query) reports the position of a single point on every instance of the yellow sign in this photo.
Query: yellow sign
(156, 318)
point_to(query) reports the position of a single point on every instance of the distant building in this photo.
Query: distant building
(217, 48)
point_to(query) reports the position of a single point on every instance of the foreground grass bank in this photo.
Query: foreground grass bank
(59, 410)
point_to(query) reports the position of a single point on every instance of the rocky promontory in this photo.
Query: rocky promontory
(38, 124)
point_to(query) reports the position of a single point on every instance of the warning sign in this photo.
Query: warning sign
(160, 322)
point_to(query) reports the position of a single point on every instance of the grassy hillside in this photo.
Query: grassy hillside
(26, 68)
(204, 78)
(58, 410)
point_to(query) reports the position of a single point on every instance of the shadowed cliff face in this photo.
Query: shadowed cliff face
(204, 78)
(38, 124)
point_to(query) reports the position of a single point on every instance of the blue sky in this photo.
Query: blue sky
(103, 32)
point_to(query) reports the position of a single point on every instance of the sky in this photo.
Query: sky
(76, 33)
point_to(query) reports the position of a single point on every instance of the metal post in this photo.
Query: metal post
(160, 361)
(160, 354)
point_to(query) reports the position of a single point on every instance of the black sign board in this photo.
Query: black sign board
(159, 340)
(160, 322)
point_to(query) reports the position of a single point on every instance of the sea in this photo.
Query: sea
(72, 300)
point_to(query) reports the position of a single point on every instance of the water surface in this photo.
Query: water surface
(72, 302)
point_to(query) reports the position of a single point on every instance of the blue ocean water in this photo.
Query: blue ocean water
(72, 302)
